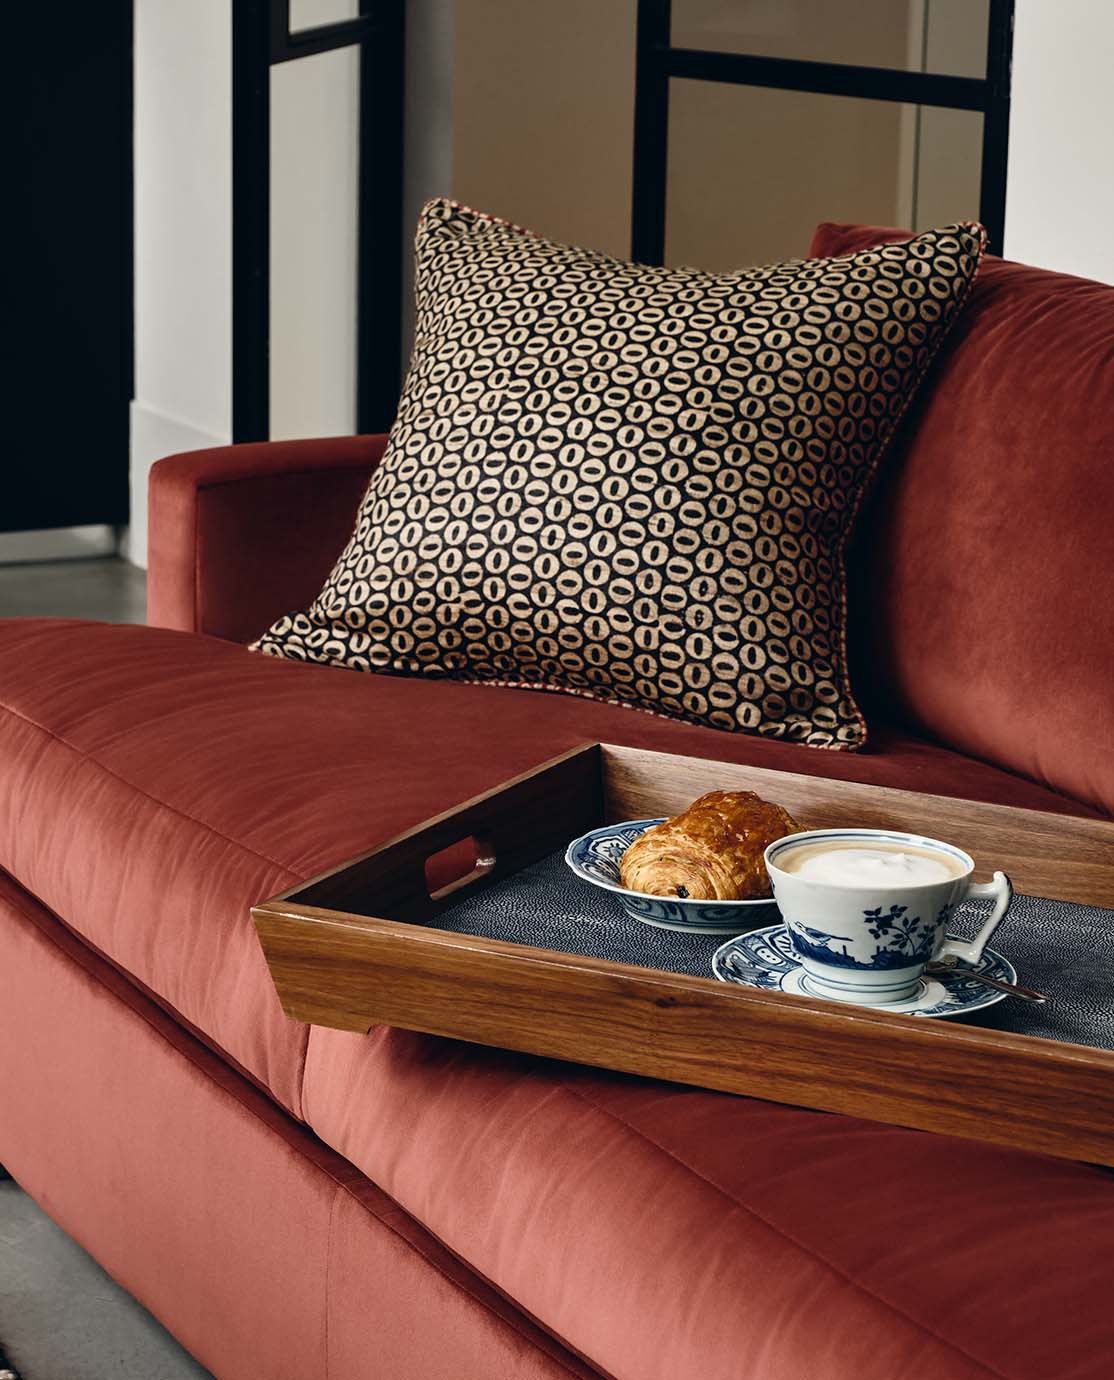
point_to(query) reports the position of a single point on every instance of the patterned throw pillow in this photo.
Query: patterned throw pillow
(634, 483)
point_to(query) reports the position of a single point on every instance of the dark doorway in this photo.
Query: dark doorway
(70, 208)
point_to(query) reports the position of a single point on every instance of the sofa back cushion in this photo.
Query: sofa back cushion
(982, 570)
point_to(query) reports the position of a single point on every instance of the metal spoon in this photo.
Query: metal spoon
(1013, 988)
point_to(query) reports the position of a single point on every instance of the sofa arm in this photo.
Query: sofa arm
(238, 535)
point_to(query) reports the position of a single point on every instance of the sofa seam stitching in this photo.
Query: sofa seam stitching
(456, 1283)
(141, 1000)
(785, 1236)
(205, 486)
(303, 1060)
(328, 1274)
(195, 507)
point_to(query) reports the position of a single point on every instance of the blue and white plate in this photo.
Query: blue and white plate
(765, 958)
(595, 858)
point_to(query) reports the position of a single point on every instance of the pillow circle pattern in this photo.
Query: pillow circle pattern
(634, 483)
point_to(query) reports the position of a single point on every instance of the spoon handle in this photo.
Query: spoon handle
(1013, 988)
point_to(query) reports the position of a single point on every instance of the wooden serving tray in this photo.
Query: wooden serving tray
(359, 946)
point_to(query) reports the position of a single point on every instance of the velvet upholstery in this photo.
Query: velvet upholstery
(264, 1252)
(138, 777)
(669, 1233)
(658, 1232)
(984, 566)
(238, 532)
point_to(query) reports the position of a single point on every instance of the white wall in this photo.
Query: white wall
(183, 237)
(1060, 190)
(314, 189)
(183, 240)
(183, 222)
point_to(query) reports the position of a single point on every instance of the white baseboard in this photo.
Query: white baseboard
(57, 544)
(153, 435)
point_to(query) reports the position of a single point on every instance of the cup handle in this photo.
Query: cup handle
(1000, 891)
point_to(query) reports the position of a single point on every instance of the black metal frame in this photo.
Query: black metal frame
(261, 38)
(657, 61)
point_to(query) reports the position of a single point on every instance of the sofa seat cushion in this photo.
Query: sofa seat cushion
(674, 1234)
(154, 784)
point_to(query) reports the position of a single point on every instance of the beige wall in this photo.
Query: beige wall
(543, 115)
(949, 142)
(752, 171)
(543, 105)
(871, 33)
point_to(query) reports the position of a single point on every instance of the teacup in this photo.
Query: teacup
(863, 931)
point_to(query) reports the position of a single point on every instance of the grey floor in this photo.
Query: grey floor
(61, 1316)
(105, 587)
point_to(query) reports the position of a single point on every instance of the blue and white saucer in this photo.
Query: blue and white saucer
(595, 858)
(765, 958)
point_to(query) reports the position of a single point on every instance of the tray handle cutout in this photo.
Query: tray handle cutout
(451, 869)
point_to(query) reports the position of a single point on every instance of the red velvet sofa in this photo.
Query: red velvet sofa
(304, 1202)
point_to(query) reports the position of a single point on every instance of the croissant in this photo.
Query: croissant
(710, 852)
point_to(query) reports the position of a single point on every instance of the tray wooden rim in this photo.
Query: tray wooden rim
(399, 931)
(351, 971)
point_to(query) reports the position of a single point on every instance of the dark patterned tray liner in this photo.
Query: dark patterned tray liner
(1064, 950)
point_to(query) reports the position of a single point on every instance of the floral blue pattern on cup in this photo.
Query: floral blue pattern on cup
(904, 939)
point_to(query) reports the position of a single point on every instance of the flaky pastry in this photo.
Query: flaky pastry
(710, 852)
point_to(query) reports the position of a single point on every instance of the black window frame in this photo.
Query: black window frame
(261, 39)
(657, 62)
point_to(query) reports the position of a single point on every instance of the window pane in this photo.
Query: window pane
(308, 14)
(947, 36)
(948, 167)
(314, 148)
(753, 171)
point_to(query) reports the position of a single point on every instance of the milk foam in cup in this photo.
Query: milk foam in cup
(869, 864)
